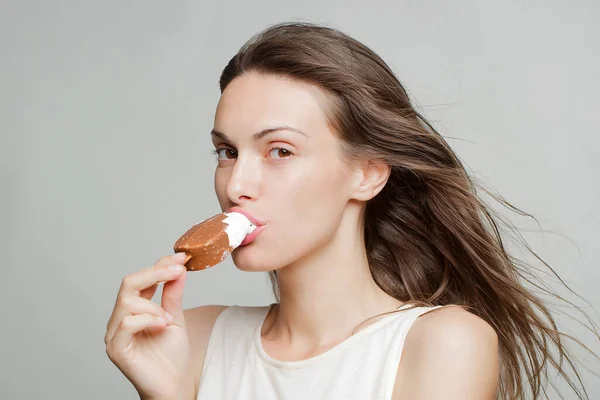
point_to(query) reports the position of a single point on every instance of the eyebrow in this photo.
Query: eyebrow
(258, 135)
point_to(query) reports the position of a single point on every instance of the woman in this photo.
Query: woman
(390, 273)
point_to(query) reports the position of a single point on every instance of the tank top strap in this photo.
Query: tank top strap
(234, 330)
(400, 328)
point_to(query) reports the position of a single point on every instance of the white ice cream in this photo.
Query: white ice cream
(238, 226)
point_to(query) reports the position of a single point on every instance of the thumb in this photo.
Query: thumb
(172, 298)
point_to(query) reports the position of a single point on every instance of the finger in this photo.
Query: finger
(131, 325)
(133, 306)
(148, 293)
(142, 282)
(160, 272)
(172, 299)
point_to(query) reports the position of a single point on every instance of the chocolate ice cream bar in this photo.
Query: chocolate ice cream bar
(211, 241)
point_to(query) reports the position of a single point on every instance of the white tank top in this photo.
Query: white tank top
(363, 366)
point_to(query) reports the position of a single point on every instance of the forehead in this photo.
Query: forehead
(253, 101)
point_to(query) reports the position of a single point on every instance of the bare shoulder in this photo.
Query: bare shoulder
(448, 353)
(200, 320)
(450, 325)
(199, 323)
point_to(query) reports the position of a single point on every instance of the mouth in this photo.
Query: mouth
(254, 220)
(260, 225)
(253, 235)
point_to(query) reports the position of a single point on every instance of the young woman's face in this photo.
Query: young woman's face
(291, 177)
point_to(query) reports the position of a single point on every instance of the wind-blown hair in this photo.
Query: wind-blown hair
(430, 238)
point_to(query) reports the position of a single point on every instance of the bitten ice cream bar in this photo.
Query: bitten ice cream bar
(211, 241)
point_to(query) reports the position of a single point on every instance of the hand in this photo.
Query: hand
(148, 342)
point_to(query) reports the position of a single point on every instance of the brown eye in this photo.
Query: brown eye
(279, 152)
(226, 154)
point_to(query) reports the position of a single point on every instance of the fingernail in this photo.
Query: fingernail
(161, 320)
(181, 255)
(176, 268)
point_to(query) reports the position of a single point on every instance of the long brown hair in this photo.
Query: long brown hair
(430, 238)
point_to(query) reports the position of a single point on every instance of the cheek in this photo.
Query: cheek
(304, 204)
(321, 192)
(317, 209)
(304, 213)
(220, 185)
(306, 185)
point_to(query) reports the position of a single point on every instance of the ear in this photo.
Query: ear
(372, 175)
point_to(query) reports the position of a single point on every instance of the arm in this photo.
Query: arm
(448, 354)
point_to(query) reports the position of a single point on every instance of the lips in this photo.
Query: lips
(252, 219)
(253, 235)
(260, 225)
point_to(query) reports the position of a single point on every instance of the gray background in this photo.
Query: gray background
(106, 109)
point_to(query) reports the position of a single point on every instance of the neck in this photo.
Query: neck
(325, 296)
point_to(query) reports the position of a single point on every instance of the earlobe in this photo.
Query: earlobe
(374, 176)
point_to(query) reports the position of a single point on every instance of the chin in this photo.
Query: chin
(245, 259)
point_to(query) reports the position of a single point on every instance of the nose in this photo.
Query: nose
(243, 182)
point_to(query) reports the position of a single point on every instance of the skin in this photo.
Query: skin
(312, 204)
